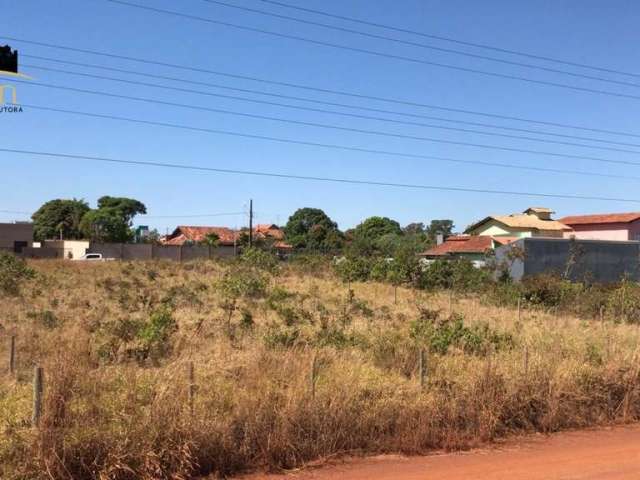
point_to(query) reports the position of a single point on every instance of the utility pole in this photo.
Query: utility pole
(250, 223)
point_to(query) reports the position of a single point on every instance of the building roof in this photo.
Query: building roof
(601, 218)
(522, 221)
(184, 233)
(539, 210)
(269, 230)
(461, 244)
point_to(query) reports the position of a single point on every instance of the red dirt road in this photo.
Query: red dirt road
(603, 454)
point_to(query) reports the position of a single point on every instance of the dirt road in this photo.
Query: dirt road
(606, 454)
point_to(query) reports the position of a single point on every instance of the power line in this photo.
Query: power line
(452, 40)
(421, 45)
(315, 89)
(357, 149)
(334, 112)
(316, 178)
(199, 215)
(374, 52)
(312, 124)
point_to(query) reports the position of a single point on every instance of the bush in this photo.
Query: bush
(13, 272)
(260, 259)
(352, 269)
(459, 274)
(440, 335)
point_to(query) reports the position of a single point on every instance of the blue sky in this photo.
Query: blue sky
(589, 31)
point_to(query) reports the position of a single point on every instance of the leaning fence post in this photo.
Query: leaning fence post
(192, 387)
(12, 355)
(313, 375)
(422, 367)
(37, 395)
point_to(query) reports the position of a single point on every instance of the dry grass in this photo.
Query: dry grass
(127, 416)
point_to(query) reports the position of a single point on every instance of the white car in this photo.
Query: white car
(93, 257)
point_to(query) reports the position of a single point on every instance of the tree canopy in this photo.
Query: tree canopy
(59, 217)
(373, 228)
(312, 229)
(445, 227)
(112, 220)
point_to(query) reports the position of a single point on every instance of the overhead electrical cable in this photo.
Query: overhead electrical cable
(315, 89)
(452, 40)
(347, 148)
(422, 45)
(332, 112)
(316, 178)
(376, 53)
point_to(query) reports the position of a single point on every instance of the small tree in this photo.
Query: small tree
(212, 239)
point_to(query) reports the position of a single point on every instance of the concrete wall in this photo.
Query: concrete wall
(10, 233)
(141, 251)
(69, 249)
(591, 260)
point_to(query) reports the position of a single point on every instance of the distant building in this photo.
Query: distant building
(578, 260)
(8, 59)
(184, 234)
(470, 247)
(272, 233)
(609, 226)
(14, 237)
(67, 249)
(533, 222)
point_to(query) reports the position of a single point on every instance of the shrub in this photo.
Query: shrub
(440, 335)
(154, 335)
(352, 269)
(260, 259)
(459, 274)
(13, 272)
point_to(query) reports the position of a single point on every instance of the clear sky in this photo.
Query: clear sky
(587, 31)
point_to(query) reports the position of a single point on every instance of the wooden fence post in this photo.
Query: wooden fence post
(450, 301)
(38, 386)
(313, 375)
(601, 313)
(526, 361)
(519, 310)
(192, 387)
(12, 355)
(423, 368)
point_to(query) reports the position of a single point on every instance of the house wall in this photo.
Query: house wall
(68, 249)
(495, 229)
(609, 231)
(10, 233)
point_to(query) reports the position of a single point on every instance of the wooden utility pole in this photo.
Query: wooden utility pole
(37, 395)
(250, 223)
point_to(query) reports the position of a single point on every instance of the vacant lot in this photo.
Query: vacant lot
(289, 366)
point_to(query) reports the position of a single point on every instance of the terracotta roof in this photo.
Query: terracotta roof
(461, 244)
(505, 240)
(184, 233)
(522, 220)
(601, 218)
(269, 230)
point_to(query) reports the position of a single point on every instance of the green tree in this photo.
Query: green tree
(444, 227)
(373, 228)
(112, 220)
(59, 217)
(312, 229)
(211, 239)
(415, 228)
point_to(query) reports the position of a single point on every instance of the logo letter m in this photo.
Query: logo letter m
(10, 88)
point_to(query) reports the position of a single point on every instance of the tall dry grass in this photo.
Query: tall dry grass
(127, 416)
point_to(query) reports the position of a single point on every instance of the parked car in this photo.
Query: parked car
(93, 257)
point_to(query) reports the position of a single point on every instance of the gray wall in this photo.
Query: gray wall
(591, 260)
(15, 232)
(185, 253)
